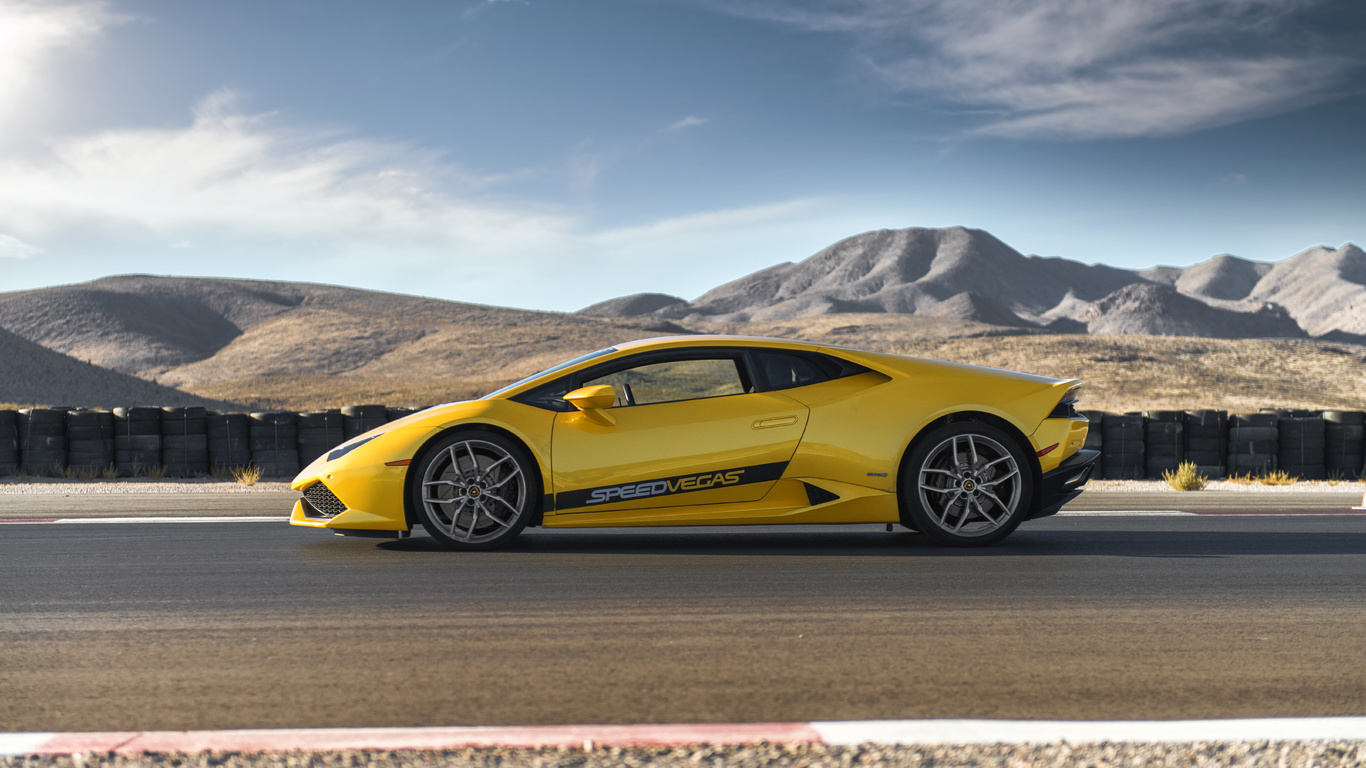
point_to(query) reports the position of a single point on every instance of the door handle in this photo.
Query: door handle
(781, 421)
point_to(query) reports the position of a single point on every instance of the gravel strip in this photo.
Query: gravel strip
(1061, 755)
(39, 487)
(1224, 486)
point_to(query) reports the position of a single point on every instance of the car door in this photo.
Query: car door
(687, 428)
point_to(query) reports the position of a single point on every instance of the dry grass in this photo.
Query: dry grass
(1274, 477)
(154, 472)
(1127, 373)
(110, 472)
(1185, 478)
(1277, 477)
(248, 475)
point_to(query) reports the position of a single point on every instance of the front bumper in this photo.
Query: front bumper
(1061, 485)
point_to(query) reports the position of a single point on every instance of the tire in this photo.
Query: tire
(967, 484)
(475, 490)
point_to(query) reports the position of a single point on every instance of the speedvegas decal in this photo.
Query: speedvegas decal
(667, 486)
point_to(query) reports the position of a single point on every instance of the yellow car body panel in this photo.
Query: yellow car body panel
(828, 452)
(686, 441)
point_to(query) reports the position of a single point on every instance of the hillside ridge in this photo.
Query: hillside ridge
(971, 275)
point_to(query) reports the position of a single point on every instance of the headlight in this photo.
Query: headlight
(349, 447)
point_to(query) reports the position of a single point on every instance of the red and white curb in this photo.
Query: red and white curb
(834, 733)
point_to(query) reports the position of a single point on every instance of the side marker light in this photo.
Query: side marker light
(1048, 450)
(399, 463)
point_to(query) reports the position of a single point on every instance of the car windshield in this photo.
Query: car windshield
(539, 374)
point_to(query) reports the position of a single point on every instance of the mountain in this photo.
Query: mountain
(300, 344)
(32, 374)
(968, 274)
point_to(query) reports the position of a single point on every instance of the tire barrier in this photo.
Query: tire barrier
(89, 441)
(9, 442)
(184, 441)
(1095, 439)
(229, 440)
(1164, 442)
(1253, 443)
(274, 443)
(189, 441)
(1122, 441)
(137, 440)
(319, 432)
(1207, 441)
(359, 419)
(42, 441)
(1344, 438)
(1301, 446)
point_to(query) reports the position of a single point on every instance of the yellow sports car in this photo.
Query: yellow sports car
(716, 430)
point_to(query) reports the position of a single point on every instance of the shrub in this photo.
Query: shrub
(247, 475)
(1185, 478)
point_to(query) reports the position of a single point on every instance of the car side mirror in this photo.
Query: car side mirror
(592, 400)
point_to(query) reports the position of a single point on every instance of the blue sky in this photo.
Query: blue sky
(553, 153)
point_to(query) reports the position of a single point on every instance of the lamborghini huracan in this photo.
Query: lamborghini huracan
(716, 430)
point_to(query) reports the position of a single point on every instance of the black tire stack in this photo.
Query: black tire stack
(42, 441)
(1344, 434)
(1207, 441)
(1122, 446)
(1253, 442)
(359, 419)
(9, 442)
(229, 440)
(137, 440)
(319, 432)
(1095, 439)
(1301, 448)
(89, 440)
(1164, 438)
(184, 441)
(274, 446)
(394, 414)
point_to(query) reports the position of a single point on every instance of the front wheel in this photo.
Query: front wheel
(967, 484)
(475, 490)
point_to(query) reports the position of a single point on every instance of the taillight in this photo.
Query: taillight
(1067, 406)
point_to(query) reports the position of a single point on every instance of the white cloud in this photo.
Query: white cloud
(1082, 68)
(258, 198)
(691, 121)
(13, 248)
(29, 31)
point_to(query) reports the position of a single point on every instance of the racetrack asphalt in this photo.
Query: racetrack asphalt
(250, 625)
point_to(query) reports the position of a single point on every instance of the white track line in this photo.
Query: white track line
(1123, 513)
(1080, 731)
(121, 520)
(839, 733)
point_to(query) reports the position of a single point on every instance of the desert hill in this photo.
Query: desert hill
(1273, 334)
(32, 374)
(968, 274)
(300, 344)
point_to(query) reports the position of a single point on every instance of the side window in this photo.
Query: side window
(670, 381)
(781, 370)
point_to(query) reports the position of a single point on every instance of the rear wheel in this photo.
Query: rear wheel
(967, 484)
(475, 490)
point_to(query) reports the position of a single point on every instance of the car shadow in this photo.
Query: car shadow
(901, 543)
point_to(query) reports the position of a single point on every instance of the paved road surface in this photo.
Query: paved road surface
(234, 625)
(76, 504)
